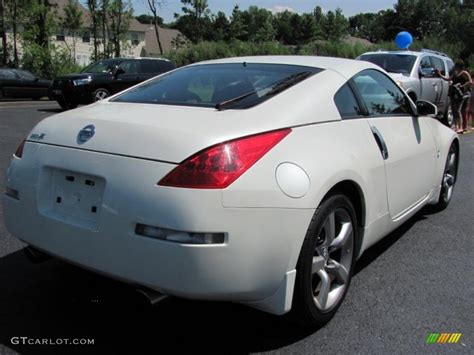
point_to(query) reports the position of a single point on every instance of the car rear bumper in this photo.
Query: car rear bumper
(260, 247)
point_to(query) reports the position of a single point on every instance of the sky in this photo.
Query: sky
(349, 7)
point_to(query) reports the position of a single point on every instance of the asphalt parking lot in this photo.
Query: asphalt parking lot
(418, 280)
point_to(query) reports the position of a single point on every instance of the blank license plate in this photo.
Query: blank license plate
(76, 198)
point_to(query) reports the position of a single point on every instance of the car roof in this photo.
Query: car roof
(346, 67)
(137, 58)
(415, 53)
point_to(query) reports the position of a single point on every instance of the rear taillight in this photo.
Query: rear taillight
(220, 165)
(19, 150)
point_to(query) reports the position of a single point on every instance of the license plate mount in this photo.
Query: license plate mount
(74, 198)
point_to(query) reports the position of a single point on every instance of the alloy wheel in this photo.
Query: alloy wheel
(449, 117)
(332, 260)
(449, 177)
(100, 95)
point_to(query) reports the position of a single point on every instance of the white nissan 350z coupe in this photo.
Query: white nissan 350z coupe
(257, 180)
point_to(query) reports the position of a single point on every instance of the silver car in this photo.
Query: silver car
(415, 72)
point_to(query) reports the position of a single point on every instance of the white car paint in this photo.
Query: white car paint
(264, 214)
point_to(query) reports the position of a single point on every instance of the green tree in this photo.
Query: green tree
(283, 23)
(292, 28)
(72, 23)
(221, 27)
(120, 14)
(148, 19)
(238, 27)
(320, 20)
(198, 13)
(36, 36)
(94, 6)
(259, 23)
(3, 33)
(335, 25)
(307, 29)
(104, 27)
(14, 11)
(154, 5)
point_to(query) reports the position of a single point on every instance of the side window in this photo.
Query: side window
(438, 64)
(147, 66)
(61, 36)
(165, 66)
(425, 63)
(25, 75)
(450, 67)
(346, 102)
(134, 38)
(155, 66)
(380, 94)
(129, 66)
(7, 74)
(86, 37)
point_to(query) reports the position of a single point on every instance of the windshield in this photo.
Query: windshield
(102, 66)
(393, 63)
(211, 85)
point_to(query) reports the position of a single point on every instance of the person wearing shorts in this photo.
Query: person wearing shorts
(458, 93)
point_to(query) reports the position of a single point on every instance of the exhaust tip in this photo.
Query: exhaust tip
(34, 255)
(150, 297)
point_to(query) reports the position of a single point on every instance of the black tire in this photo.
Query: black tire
(100, 92)
(66, 105)
(304, 310)
(448, 180)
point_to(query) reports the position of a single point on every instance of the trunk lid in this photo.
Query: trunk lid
(156, 132)
(173, 133)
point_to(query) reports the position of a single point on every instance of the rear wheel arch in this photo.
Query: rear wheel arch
(458, 151)
(353, 191)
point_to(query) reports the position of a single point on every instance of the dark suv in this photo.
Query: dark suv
(104, 78)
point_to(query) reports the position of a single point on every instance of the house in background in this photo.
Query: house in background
(140, 40)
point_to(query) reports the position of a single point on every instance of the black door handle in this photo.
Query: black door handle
(380, 142)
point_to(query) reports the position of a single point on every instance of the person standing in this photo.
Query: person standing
(458, 93)
(470, 106)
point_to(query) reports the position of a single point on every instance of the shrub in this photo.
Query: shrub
(214, 50)
(50, 63)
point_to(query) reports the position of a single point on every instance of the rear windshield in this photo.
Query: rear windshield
(393, 63)
(230, 85)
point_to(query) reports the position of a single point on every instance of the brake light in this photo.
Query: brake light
(19, 150)
(220, 165)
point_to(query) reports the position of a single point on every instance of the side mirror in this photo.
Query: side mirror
(426, 108)
(427, 72)
(116, 71)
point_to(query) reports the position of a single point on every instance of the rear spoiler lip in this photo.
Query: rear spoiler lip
(104, 152)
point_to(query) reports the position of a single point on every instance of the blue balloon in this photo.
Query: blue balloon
(403, 40)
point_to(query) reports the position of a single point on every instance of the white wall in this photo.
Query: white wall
(85, 49)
